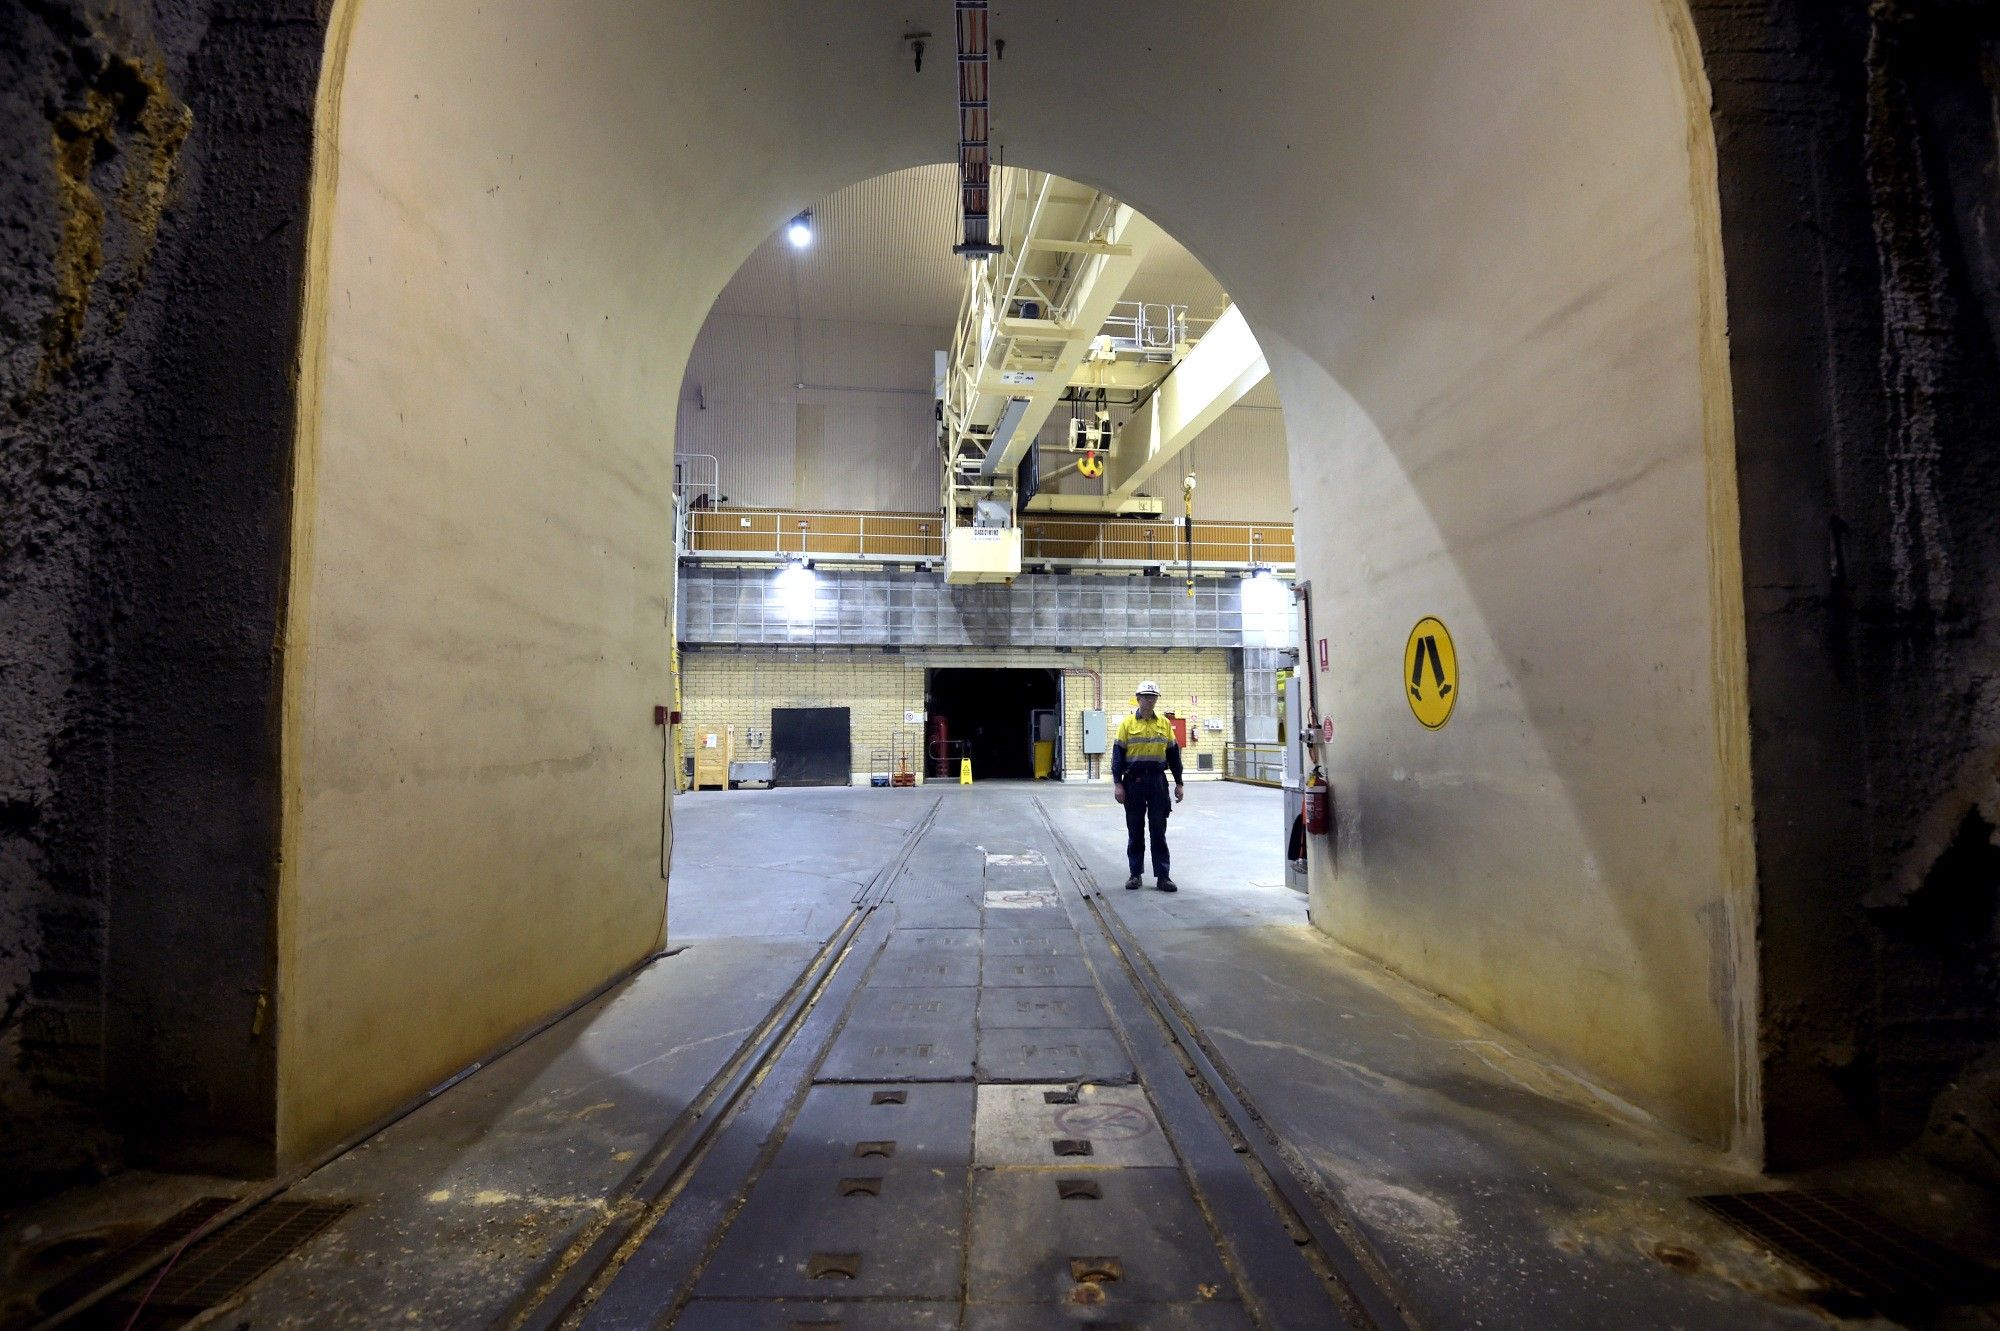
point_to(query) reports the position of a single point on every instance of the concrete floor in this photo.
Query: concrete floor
(1488, 1187)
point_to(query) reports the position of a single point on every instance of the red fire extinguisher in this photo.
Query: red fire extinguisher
(1317, 806)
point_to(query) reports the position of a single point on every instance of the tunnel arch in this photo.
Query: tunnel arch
(520, 265)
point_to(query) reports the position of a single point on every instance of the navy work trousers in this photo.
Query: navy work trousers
(1147, 797)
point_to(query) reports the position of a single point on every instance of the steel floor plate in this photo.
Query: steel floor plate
(1055, 1053)
(1001, 941)
(821, 1315)
(939, 916)
(1024, 917)
(1011, 1008)
(1110, 1315)
(918, 1034)
(1143, 1230)
(865, 1232)
(955, 969)
(926, 1125)
(1025, 972)
(1019, 1125)
(907, 942)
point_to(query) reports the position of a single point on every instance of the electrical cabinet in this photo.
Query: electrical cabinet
(1096, 735)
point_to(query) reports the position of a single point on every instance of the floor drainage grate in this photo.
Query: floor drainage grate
(224, 1263)
(1851, 1248)
(160, 1239)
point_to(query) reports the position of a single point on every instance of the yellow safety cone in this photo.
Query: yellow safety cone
(965, 771)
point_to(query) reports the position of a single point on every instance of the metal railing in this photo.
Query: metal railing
(1122, 541)
(1258, 764)
(763, 534)
(742, 533)
(1152, 330)
(697, 479)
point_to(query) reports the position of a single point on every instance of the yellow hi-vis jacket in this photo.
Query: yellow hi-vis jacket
(1145, 746)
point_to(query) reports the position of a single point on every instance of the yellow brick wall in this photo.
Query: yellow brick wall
(739, 688)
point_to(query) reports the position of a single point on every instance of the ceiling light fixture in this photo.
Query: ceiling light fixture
(800, 232)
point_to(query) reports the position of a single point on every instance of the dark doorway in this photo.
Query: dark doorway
(989, 717)
(810, 747)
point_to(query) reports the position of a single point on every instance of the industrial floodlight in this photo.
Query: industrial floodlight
(800, 232)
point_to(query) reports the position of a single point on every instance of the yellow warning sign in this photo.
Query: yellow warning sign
(1430, 672)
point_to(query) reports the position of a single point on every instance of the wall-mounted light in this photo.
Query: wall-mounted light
(1264, 594)
(800, 232)
(796, 591)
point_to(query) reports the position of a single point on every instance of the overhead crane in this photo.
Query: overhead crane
(1043, 322)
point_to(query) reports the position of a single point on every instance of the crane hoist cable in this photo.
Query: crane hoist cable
(1187, 527)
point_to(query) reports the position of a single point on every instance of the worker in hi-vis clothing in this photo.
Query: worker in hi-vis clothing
(1142, 753)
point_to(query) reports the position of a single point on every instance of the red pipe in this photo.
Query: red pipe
(1096, 680)
(1097, 702)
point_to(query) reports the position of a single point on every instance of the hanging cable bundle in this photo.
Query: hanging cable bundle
(974, 129)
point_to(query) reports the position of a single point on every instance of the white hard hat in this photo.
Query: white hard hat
(1148, 686)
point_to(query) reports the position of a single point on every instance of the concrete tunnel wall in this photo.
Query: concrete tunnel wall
(1477, 242)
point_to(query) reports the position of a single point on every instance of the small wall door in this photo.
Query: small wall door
(810, 746)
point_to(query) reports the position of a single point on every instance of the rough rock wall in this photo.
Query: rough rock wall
(1859, 193)
(154, 159)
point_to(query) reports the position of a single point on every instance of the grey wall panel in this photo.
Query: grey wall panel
(761, 607)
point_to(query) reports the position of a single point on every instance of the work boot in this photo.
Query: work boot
(1165, 884)
(1132, 883)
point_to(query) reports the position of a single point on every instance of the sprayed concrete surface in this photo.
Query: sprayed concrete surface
(1490, 306)
(480, 601)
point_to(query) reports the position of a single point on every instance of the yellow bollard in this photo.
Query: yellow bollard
(965, 771)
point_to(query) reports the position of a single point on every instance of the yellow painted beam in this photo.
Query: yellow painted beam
(1121, 376)
(1047, 329)
(1079, 247)
(1096, 291)
(1226, 364)
(1144, 506)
